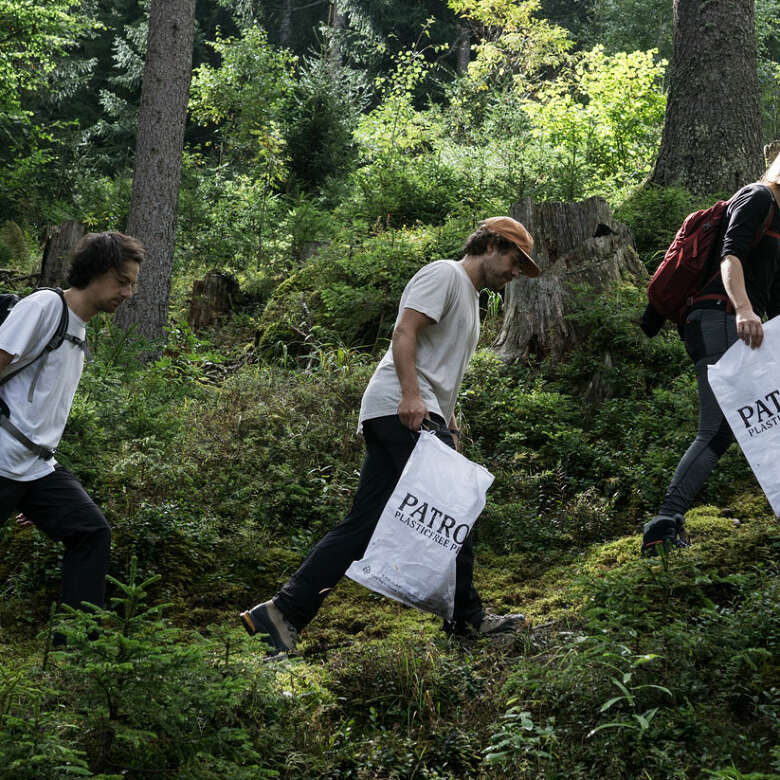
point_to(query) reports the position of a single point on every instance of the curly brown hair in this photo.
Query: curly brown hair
(98, 253)
(482, 240)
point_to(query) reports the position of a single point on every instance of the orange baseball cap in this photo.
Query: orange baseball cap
(511, 229)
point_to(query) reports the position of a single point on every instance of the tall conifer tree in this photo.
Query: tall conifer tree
(712, 131)
(157, 171)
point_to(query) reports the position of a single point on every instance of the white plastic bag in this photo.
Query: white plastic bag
(411, 555)
(746, 383)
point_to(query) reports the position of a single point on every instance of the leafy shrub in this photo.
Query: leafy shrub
(36, 743)
(133, 679)
(417, 696)
(612, 457)
(13, 245)
(406, 191)
(348, 294)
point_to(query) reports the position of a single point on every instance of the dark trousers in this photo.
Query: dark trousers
(60, 507)
(388, 446)
(708, 334)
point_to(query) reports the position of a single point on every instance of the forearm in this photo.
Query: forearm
(5, 360)
(749, 327)
(411, 408)
(734, 283)
(405, 361)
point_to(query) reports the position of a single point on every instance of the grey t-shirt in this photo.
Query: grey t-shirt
(443, 291)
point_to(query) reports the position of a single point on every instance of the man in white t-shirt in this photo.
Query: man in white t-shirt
(37, 385)
(416, 383)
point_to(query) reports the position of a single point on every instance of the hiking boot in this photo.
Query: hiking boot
(489, 625)
(499, 624)
(681, 540)
(267, 619)
(663, 529)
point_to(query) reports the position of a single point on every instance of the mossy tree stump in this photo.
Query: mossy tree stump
(212, 298)
(575, 244)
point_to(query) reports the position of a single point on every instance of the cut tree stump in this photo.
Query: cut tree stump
(56, 256)
(575, 244)
(212, 298)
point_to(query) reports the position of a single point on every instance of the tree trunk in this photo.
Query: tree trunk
(285, 22)
(711, 140)
(574, 244)
(157, 172)
(56, 255)
(463, 49)
(338, 21)
(212, 297)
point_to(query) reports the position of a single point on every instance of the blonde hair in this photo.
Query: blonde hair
(772, 175)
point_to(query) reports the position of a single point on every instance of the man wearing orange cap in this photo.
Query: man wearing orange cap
(415, 384)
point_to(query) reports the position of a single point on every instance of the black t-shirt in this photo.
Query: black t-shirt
(745, 215)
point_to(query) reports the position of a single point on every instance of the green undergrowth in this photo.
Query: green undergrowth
(634, 668)
(218, 468)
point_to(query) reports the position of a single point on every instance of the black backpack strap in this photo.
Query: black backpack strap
(54, 342)
(37, 449)
(81, 344)
(62, 328)
(61, 334)
(5, 422)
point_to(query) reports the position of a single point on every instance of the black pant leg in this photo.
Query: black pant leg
(708, 334)
(388, 446)
(468, 605)
(60, 507)
(11, 493)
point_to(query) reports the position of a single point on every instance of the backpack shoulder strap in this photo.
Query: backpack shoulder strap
(62, 327)
(764, 230)
(55, 341)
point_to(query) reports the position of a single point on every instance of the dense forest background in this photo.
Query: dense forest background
(330, 150)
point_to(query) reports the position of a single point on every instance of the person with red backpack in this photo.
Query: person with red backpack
(742, 287)
(42, 351)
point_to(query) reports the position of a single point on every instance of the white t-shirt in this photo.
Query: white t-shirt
(443, 291)
(25, 332)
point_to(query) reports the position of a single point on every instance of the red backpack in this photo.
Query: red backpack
(678, 279)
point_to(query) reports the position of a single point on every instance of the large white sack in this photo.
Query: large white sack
(746, 383)
(411, 555)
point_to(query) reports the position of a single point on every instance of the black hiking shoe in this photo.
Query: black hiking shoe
(489, 625)
(267, 619)
(663, 531)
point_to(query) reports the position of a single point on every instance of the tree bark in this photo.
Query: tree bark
(463, 49)
(711, 139)
(285, 22)
(574, 244)
(157, 172)
(56, 255)
(212, 297)
(338, 21)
